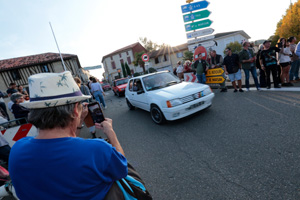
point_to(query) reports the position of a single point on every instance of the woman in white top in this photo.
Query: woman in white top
(284, 61)
(179, 70)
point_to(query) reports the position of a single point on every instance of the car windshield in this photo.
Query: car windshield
(121, 82)
(160, 80)
(103, 84)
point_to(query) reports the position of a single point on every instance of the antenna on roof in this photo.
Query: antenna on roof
(58, 48)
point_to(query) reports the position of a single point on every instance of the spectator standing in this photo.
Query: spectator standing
(179, 70)
(201, 66)
(23, 91)
(85, 91)
(247, 58)
(297, 50)
(216, 61)
(232, 68)
(98, 92)
(284, 62)
(18, 110)
(3, 105)
(294, 71)
(11, 89)
(268, 63)
(187, 66)
(262, 73)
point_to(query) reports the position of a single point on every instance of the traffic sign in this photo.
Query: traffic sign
(200, 50)
(200, 33)
(215, 72)
(196, 15)
(201, 39)
(198, 25)
(194, 6)
(216, 79)
(145, 57)
(204, 44)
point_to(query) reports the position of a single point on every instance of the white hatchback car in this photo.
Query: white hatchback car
(166, 97)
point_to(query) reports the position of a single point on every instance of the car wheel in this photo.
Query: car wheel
(130, 106)
(156, 115)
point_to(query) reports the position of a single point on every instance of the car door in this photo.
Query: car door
(129, 92)
(140, 95)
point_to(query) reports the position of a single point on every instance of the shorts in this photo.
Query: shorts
(285, 64)
(235, 76)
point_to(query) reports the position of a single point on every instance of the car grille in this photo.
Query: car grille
(192, 97)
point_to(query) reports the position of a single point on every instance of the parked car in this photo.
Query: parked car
(166, 97)
(119, 86)
(105, 86)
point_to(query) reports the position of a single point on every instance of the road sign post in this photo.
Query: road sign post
(194, 6)
(196, 15)
(198, 25)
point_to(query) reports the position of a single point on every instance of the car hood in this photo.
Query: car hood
(179, 90)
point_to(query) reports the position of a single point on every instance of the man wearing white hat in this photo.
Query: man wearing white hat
(56, 164)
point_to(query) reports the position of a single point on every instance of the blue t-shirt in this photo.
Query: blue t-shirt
(64, 168)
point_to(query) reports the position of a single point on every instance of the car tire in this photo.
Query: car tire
(130, 106)
(157, 115)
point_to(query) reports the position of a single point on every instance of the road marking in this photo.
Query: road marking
(264, 107)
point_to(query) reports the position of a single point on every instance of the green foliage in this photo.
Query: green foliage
(136, 74)
(127, 69)
(138, 60)
(274, 39)
(123, 70)
(236, 47)
(187, 55)
(152, 70)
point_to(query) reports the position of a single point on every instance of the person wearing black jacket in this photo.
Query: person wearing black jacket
(262, 73)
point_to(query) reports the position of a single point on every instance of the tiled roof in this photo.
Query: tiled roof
(121, 50)
(32, 60)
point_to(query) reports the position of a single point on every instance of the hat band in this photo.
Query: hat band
(75, 94)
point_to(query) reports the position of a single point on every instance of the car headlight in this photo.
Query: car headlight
(173, 103)
(207, 91)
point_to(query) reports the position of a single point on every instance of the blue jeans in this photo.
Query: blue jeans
(99, 97)
(294, 71)
(247, 76)
(201, 78)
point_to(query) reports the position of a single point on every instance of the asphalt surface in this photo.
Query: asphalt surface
(245, 146)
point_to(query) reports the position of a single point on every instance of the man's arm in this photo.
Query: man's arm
(106, 127)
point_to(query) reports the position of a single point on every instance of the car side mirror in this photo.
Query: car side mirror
(140, 92)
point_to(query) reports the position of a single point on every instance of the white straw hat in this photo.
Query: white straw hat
(53, 89)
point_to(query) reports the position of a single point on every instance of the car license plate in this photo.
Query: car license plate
(195, 105)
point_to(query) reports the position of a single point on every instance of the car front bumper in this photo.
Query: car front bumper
(188, 108)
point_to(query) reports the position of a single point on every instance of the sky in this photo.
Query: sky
(92, 29)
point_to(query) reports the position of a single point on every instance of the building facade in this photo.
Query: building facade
(112, 62)
(166, 58)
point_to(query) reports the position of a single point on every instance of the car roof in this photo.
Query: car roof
(145, 75)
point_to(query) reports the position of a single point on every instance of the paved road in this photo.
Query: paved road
(246, 146)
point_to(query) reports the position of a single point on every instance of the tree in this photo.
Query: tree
(274, 39)
(235, 47)
(123, 70)
(138, 60)
(148, 44)
(127, 69)
(187, 55)
(289, 25)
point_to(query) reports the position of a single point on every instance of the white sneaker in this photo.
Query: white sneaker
(105, 107)
(258, 89)
(248, 90)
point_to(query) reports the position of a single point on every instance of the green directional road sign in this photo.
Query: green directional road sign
(198, 25)
(196, 15)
